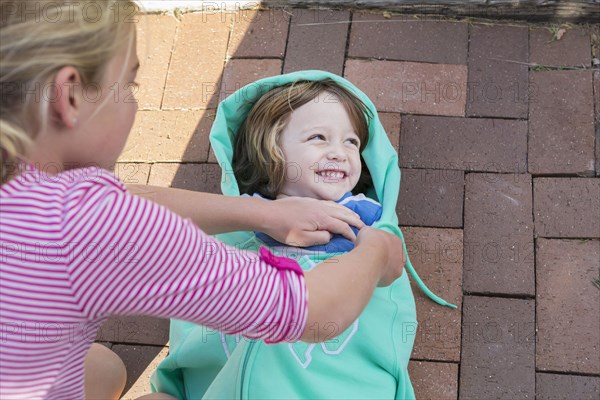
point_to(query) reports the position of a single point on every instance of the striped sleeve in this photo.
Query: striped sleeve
(130, 256)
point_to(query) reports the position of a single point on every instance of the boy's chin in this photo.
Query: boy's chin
(332, 196)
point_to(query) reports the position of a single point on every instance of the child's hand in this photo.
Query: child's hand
(302, 221)
(340, 288)
(392, 248)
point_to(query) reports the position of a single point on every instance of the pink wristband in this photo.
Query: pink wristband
(280, 263)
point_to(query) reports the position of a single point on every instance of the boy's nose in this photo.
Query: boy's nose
(336, 153)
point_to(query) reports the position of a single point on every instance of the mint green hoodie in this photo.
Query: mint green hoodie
(368, 360)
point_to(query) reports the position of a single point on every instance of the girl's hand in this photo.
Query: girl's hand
(302, 221)
(392, 248)
(340, 288)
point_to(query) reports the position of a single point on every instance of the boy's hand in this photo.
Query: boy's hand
(390, 246)
(302, 221)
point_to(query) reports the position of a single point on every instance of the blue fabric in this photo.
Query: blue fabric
(368, 210)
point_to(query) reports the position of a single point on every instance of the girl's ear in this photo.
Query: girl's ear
(65, 100)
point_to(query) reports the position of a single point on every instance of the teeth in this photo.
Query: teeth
(332, 174)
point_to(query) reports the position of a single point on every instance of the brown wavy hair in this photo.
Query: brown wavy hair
(258, 163)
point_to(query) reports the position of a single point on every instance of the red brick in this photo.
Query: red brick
(498, 84)
(499, 234)
(259, 34)
(194, 74)
(476, 144)
(169, 136)
(598, 148)
(561, 123)
(597, 92)
(155, 40)
(408, 87)
(211, 156)
(597, 108)
(431, 197)
(436, 255)
(199, 177)
(567, 207)
(572, 49)
(391, 124)
(406, 38)
(317, 41)
(559, 387)
(434, 381)
(498, 349)
(568, 335)
(132, 173)
(139, 330)
(240, 72)
(595, 40)
(140, 362)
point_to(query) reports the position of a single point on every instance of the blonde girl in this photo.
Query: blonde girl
(76, 246)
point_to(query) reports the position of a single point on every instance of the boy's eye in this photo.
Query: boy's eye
(317, 136)
(354, 142)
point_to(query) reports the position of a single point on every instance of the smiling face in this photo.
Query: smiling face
(321, 149)
(303, 138)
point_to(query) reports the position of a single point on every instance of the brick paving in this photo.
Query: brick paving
(262, 33)
(498, 231)
(431, 197)
(571, 263)
(498, 348)
(374, 36)
(410, 87)
(497, 72)
(306, 48)
(573, 48)
(561, 142)
(240, 72)
(471, 144)
(497, 125)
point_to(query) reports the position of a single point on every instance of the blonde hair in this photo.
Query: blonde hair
(38, 39)
(258, 162)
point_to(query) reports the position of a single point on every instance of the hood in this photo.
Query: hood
(379, 155)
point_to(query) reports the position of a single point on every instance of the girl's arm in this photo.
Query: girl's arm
(129, 256)
(345, 284)
(294, 221)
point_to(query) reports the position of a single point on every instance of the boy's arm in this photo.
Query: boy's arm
(295, 221)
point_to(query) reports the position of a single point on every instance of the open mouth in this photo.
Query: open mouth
(332, 175)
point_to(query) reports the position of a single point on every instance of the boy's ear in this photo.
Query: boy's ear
(64, 97)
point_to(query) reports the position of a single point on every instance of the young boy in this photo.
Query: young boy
(310, 134)
(304, 139)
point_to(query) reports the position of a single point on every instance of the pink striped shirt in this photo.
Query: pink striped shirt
(76, 248)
